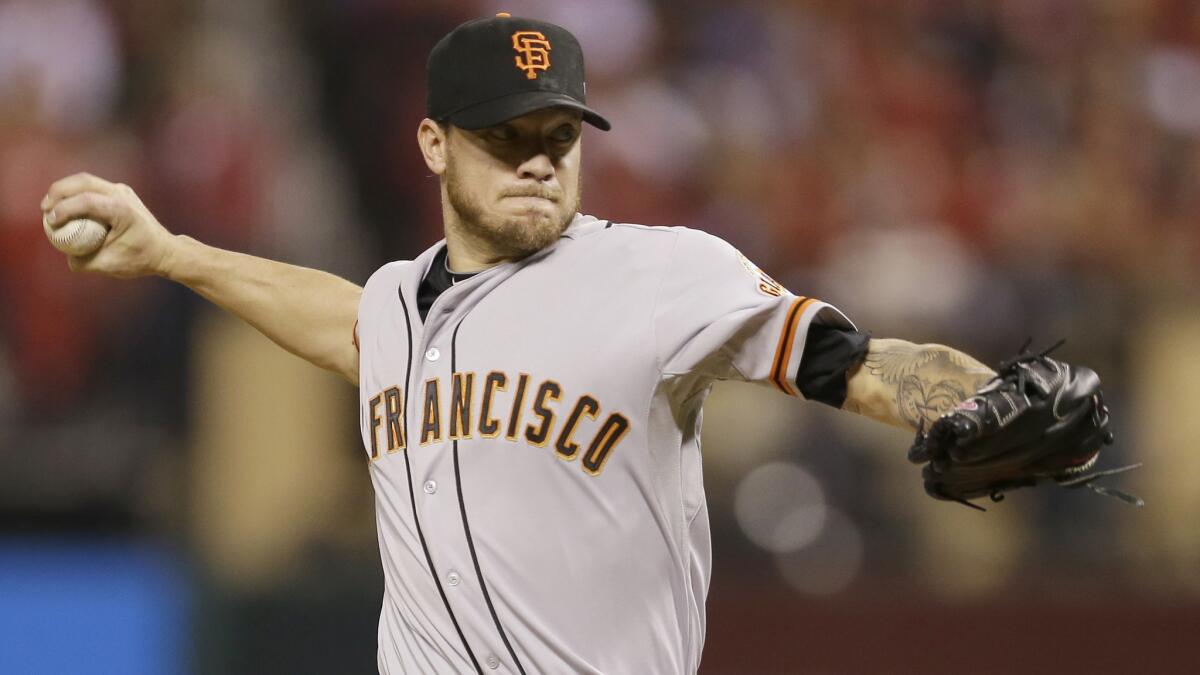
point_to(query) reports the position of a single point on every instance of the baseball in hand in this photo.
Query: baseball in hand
(82, 236)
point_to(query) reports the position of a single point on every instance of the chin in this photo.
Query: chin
(530, 232)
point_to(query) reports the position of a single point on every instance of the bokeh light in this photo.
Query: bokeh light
(780, 506)
(830, 564)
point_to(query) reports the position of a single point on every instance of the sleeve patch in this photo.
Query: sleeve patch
(766, 285)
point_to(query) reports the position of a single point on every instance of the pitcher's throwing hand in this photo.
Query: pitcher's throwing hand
(137, 244)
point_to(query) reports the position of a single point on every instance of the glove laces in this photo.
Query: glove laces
(1086, 480)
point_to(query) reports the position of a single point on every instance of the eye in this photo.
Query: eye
(504, 132)
(564, 134)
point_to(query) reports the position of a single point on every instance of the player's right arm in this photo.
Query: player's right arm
(308, 312)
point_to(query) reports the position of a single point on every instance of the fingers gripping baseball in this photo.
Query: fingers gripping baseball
(85, 205)
(136, 244)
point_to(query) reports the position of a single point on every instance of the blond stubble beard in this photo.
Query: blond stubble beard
(514, 237)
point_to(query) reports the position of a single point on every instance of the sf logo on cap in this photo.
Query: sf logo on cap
(533, 52)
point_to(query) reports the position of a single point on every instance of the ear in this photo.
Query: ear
(432, 140)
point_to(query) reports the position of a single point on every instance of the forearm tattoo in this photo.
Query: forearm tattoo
(929, 380)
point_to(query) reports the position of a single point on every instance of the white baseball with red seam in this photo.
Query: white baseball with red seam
(78, 237)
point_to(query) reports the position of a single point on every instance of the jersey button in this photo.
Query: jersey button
(492, 661)
(452, 578)
(430, 487)
(433, 354)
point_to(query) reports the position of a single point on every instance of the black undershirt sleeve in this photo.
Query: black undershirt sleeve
(829, 354)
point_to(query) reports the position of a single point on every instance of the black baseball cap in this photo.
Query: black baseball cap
(488, 71)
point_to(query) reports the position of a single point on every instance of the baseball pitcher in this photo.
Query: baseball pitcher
(531, 387)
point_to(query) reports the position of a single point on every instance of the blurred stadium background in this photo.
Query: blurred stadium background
(179, 496)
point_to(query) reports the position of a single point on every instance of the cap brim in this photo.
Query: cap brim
(505, 108)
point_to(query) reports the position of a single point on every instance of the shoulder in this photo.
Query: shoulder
(619, 230)
(381, 286)
(687, 238)
(657, 240)
(675, 260)
(391, 272)
(684, 253)
(693, 242)
(690, 248)
(619, 245)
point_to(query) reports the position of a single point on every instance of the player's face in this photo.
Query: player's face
(516, 185)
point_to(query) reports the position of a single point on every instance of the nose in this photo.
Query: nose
(538, 167)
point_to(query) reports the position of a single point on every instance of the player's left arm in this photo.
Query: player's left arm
(719, 316)
(907, 385)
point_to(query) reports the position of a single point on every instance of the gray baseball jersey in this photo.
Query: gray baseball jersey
(534, 446)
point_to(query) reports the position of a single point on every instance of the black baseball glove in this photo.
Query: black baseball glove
(1038, 420)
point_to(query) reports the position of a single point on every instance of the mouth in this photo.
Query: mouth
(530, 204)
(542, 196)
